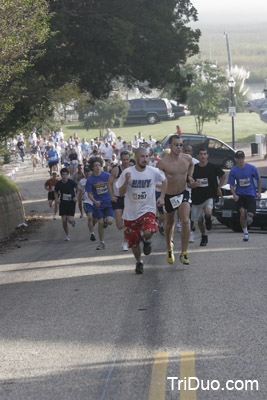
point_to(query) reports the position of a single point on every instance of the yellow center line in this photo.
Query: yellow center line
(158, 378)
(187, 370)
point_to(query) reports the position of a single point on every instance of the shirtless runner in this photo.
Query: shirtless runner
(178, 168)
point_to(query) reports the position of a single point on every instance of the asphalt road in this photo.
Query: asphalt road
(79, 324)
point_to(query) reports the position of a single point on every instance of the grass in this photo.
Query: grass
(247, 44)
(6, 186)
(246, 126)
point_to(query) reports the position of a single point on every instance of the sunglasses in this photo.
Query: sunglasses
(178, 144)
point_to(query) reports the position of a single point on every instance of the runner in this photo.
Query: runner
(178, 168)
(204, 190)
(117, 200)
(21, 147)
(52, 159)
(77, 177)
(138, 184)
(189, 150)
(35, 154)
(241, 180)
(87, 203)
(50, 186)
(97, 189)
(67, 189)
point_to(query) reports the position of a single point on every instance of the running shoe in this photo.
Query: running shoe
(147, 247)
(92, 237)
(67, 238)
(139, 269)
(54, 217)
(73, 223)
(184, 259)
(170, 256)
(245, 238)
(105, 223)
(81, 215)
(161, 230)
(204, 240)
(191, 237)
(208, 223)
(101, 246)
(124, 246)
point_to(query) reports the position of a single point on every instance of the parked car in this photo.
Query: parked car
(179, 110)
(149, 110)
(220, 153)
(226, 212)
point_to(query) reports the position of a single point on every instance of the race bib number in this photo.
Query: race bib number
(244, 182)
(203, 182)
(176, 201)
(101, 190)
(140, 196)
(66, 197)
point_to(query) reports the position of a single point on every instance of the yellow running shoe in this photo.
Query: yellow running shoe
(170, 256)
(184, 258)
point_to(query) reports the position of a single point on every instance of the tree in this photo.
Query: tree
(65, 96)
(97, 41)
(104, 113)
(24, 27)
(206, 92)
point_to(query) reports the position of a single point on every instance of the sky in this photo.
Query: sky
(242, 11)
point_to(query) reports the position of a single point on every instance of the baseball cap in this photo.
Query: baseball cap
(54, 172)
(239, 154)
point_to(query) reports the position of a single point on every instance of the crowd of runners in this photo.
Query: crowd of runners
(144, 187)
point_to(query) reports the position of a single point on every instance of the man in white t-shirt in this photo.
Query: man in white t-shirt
(151, 141)
(107, 152)
(138, 185)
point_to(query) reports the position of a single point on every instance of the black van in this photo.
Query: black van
(149, 110)
(220, 153)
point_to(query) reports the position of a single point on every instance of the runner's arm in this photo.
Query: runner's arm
(259, 187)
(111, 179)
(232, 188)
(221, 183)
(123, 188)
(91, 197)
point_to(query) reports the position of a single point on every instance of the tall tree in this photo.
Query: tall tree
(97, 41)
(206, 92)
(103, 113)
(24, 28)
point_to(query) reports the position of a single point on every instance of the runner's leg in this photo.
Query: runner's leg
(184, 211)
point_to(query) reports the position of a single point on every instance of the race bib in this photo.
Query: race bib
(176, 201)
(203, 182)
(141, 196)
(244, 182)
(66, 197)
(101, 190)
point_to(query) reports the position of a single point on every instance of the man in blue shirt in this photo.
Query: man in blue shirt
(97, 189)
(241, 181)
(52, 159)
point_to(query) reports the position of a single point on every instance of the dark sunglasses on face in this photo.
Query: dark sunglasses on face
(178, 144)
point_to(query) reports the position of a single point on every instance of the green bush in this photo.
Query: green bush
(6, 186)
